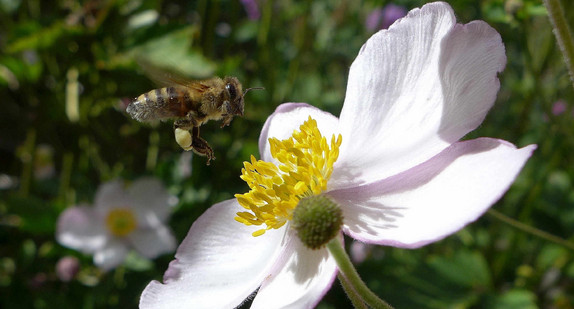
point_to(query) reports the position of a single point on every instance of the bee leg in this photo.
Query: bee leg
(226, 120)
(183, 137)
(200, 146)
(191, 140)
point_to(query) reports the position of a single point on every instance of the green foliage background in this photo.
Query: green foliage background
(300, 51)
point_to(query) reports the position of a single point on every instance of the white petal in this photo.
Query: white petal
(153, 242)
(434, 199)
(150, 200)
(80, 228)
(218, 264)
(111, 195)
(413, 90)
(304, 279)
(287, 118)
(112, 255)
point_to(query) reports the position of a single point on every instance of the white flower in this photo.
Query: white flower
(402, 177)
(121, 219)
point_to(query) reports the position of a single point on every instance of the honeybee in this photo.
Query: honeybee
(191, 104)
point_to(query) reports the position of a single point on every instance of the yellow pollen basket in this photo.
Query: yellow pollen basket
(305, 165)
(121, 221)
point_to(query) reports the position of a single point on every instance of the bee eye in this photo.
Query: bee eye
(232, 91)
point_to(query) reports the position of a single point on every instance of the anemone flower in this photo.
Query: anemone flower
(393, 162)
(121, 219)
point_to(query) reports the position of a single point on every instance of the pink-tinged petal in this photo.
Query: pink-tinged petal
(413, 90)
(112, 255)
(111, 195)
(80, 228)
(304, 278)
(153, 242)
(218, 265)
(287, 118)
(151, 201)
(434, 199)
(471, 57)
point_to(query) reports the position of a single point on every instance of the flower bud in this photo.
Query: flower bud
(67, 268)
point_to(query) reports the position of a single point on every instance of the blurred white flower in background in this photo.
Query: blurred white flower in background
(121, 219)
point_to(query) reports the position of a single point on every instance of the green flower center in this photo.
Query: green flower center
(317, 220)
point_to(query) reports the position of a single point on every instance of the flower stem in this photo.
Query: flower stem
(531, 230)
(27, 157)
(358, 289)
(152, 151)
(562, 33)
(356, 300)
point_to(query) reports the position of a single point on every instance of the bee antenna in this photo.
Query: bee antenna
(254, 88)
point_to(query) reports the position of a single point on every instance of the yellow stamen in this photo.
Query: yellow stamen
(121, 222)
(305, 165)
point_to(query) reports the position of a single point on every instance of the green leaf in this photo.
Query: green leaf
(44, 38)
(13, 71)
(552, 256)
(514, 299)
(172, 52)
(37, 216)
(465, 268)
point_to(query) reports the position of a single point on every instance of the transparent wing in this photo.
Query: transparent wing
(165, 78)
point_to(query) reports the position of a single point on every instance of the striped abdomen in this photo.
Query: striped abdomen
(163, 103)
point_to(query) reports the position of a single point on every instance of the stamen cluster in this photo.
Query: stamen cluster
(305, 165)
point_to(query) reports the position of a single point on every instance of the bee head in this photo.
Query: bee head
(233, 88)
(236, 94)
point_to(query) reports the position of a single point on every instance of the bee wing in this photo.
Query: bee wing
(197, 86)
(165, 78)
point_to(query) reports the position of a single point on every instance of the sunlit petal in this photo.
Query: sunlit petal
(415, 89)
(217, 265)
(304, 278)
(287, 118)
(434, 199)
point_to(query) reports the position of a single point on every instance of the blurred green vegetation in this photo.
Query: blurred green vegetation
(67, 69)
